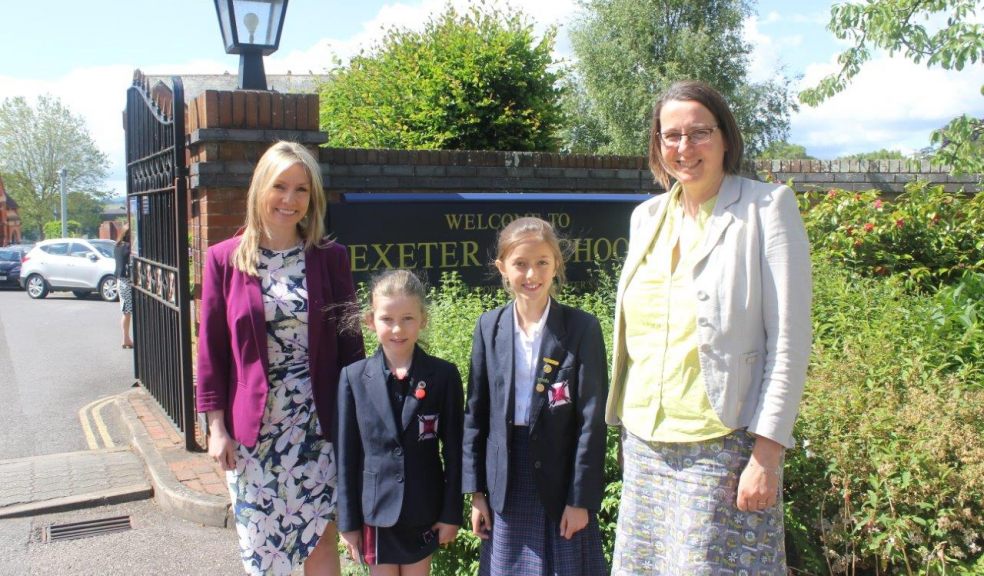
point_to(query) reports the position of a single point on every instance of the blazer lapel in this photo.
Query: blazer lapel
(423, 374)
(375, 382)
(552, 348)
(722, 217)
(504, 352)
(257, 315)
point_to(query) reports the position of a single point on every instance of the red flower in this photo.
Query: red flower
(868, 226)
(899, 223)
(832, 193)
(858, 243)
(878, 204)
(857, 196)
(848, 229)
(881, 270)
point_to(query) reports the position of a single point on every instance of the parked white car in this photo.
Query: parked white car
(70, 264)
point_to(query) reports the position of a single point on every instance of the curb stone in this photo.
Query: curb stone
(171, 494)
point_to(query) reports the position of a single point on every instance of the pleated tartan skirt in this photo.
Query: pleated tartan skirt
(525, 541)
(679, 515)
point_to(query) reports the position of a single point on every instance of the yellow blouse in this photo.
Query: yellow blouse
(665, 399)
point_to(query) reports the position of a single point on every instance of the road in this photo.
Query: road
(57, 356)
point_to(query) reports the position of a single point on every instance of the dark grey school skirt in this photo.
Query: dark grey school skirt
(525, 541)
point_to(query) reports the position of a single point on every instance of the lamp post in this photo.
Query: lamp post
(62, 174)
(251, 28)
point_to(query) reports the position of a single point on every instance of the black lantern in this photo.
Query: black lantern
(251, 28)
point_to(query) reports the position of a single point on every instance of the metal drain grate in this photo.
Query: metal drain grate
(84, 529)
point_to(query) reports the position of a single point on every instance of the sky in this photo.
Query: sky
(85, 54)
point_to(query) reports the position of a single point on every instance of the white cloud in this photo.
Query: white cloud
(892, 102)
(766, 61)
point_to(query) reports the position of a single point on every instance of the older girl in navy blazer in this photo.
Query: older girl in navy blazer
(534, 444)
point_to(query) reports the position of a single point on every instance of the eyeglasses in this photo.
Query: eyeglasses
(698, 136)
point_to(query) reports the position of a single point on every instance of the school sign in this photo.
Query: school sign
(442, 232)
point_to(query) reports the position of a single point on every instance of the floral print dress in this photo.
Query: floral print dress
(283, 489)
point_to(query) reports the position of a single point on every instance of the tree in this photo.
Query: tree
(478, 80)
(628, 51)
(35, 144)
(904, 26)
(782, 150)
(87, 211)
(882, 154)
(52, 229)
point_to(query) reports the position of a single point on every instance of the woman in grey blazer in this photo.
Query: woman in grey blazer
(711, 343)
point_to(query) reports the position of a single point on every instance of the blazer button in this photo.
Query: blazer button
(536, 464)
(703, 322)
(398, 451)
(701, 295)
(399, 478)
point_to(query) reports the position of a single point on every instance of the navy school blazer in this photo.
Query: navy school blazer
(389, 475)
(567, 421)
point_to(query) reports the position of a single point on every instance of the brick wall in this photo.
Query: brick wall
(888, 176)
(414, 171)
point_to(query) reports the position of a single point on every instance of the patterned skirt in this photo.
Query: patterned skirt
(679, 515)
(525, 541)
(283, 489)
(126, 295)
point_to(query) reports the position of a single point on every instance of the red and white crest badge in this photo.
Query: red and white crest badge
(427, 426)
(559, 394)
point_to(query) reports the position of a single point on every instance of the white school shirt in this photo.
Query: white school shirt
(525, 349)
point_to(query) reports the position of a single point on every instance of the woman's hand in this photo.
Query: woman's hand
(220, 445)
(446, 533)
(481, 519)
(353, 543)
(573, 521)
(758, 487)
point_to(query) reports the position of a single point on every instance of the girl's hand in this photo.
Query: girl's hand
(220, 446)
(446, 533)
(481, 519)
(573, 521)
(758, 487)
(353, 542)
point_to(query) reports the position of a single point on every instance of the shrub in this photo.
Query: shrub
(891, 479)
(926, 236)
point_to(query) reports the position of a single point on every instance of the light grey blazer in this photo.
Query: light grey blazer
(754, 290)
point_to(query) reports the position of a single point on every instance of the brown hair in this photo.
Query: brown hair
(527, 229)
(708, 97)
(272, 164)
(124, 234)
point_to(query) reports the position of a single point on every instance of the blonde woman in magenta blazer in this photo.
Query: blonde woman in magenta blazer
(269, 356)
(718, 272)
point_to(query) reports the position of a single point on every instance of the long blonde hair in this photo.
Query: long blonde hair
(272, 164)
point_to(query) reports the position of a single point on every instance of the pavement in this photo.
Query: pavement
(189, 485)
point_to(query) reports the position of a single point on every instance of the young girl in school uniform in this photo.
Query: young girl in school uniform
(534, 443)
(399, 416)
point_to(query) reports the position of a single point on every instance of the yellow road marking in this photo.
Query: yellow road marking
(90, 438)
(94, 408)
(101, 425)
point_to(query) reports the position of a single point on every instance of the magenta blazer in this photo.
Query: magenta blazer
(232, 338)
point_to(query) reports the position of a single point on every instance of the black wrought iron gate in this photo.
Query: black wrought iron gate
(157, 203)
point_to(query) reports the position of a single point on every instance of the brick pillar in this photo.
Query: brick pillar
(228, 131)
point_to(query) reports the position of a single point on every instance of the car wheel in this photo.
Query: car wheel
(107, 288)
(36, 286)
(80, 294)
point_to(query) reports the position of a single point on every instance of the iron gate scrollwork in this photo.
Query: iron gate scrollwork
(156, 190)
